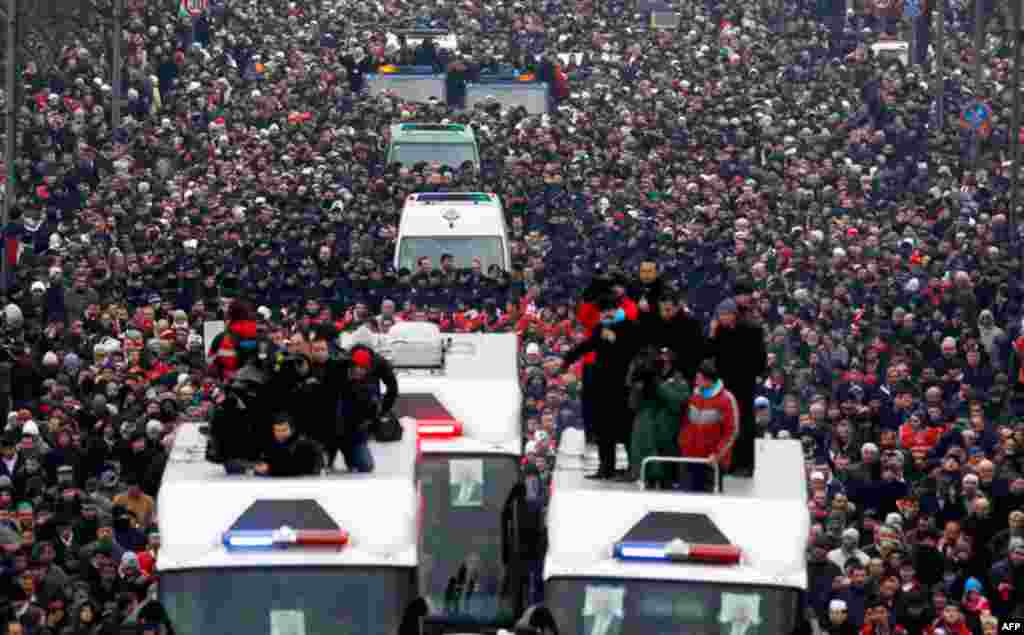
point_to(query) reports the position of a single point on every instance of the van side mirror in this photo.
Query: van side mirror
(537, 620)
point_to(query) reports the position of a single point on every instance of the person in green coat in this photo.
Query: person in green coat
(659, 393)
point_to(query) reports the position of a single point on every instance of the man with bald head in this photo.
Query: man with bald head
(988, 484)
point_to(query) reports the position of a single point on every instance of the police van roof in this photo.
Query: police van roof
(198, 503)
(765, 517)
(476, 385)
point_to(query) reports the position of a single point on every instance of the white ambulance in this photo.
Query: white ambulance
(465, 225)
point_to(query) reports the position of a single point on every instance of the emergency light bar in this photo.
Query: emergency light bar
(391, 69)
(432, 127)
(452, 197)
(438, 428)
(283, 538)
(677, 551)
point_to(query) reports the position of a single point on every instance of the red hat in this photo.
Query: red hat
(362, 358)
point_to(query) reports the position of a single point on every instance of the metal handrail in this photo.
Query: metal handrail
(679, 459)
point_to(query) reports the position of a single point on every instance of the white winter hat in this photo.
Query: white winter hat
(50, 359)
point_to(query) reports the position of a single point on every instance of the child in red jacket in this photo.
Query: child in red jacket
(709, 428)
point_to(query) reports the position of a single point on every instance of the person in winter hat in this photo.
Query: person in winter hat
(709, 428)
(974, 603)
(736, 343)
(838, 620)
(231, 349)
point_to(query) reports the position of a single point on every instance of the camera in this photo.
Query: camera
(646, 366)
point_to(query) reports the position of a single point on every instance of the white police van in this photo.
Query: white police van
(315, 555)
(644, 561)
(465, 225)
(461, 395)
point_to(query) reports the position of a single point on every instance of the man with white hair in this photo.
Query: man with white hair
(869, 468)
(849, 547)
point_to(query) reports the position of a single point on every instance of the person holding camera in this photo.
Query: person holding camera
(710, 427)
(658, 392)
(363, 406)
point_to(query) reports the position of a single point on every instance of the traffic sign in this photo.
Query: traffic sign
(194, 8)
(976, 116)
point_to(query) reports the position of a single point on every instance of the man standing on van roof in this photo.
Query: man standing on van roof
(736, 342)
(362, 404)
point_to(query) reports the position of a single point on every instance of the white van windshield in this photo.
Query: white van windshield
(647, 606)
(449, 154)
(464, 249)
(887, 53)
(299, 600)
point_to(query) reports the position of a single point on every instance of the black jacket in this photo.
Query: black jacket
(683, 334)
(653, 292)
(741, 357)
(314, 400)
(614, 357)
(299, 456)
(360, 399)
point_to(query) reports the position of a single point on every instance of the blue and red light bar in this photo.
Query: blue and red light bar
(677, 551)
(285, 538)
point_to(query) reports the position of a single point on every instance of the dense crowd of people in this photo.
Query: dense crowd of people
(760, 163)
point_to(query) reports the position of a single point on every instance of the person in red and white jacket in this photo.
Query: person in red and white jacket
(710, 427)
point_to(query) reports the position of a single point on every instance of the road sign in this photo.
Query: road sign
(194, 8)
(976, 116)
(912, 9)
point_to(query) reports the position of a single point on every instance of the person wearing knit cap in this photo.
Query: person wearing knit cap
(838, 622)
(736, 343)
(709, 428)
(30, 429)
(363, 405)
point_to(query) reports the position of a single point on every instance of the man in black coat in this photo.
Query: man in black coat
(671, 325)
(648, 289)
(315, 390)
(290, 454)
(362, 405)
(736, 342)
(616, 345)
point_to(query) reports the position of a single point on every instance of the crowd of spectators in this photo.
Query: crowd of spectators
(762, 141)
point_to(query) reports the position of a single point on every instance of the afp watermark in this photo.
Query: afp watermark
(1012, 626)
